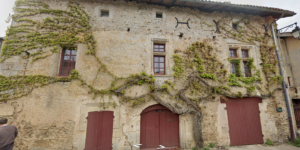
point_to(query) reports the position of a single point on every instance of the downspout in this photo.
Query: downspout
(288, 106)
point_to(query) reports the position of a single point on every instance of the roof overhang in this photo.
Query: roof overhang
(285, 34)
(211, 6)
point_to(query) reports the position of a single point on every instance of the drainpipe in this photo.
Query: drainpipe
(288, 106)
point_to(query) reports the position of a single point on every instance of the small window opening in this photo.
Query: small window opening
(104, 13)
(289, 80)
(128, 29)
(159, 15)
(245, 53)
(234, 26)
(181, 35)
(233, 53)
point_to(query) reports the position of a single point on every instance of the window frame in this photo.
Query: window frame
(245, 50)
(246, 67)
(159, 56)
(231, 69)
(62, 61)
(159, 48)
(235, 50)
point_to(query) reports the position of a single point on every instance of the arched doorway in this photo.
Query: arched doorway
(159, 126)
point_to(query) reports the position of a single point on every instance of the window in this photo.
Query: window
(104, 13)
(245, 54)
(159, 65)
(159, 15)
(234, 26)
(247, 70)
(233, 53)
(233, 69)
(68, 61)
(289, 80)
(159, 60)
(159, 47)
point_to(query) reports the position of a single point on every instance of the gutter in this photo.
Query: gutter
(287, 101)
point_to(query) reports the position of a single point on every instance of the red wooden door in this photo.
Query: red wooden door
(244, 121)
(159, 126)
(99, 130)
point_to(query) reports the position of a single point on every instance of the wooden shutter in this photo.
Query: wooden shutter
(99, 130)
(244, 121)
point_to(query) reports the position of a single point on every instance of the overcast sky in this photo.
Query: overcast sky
(293, 5)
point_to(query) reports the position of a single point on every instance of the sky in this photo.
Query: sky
(293, 5)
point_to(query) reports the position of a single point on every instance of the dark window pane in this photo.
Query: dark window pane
(162, 59)
(156, 59)
(74, 52)
(156, 65)
(65, 64)
(156, 70)
(245, 53)
(162, 65)
(232, 53)
(73, 58)
(72, 65)
(66, 57)
(67, 52)
(104, 13)
(64, 71)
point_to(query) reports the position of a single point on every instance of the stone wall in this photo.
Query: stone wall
(54, 116)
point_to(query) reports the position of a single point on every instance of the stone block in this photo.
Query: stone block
(117, 133)
(13, 59)
(115, 144)
(126, 148)
(18, 67)
(132, 137)
(3, 66)
(6, 110)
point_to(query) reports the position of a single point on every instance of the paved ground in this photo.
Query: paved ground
(264, 147)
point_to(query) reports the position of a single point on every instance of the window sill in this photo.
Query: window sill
(63, 76)
(162, 75)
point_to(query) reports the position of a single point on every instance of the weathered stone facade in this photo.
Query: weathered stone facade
(53, 117)
(290, 48)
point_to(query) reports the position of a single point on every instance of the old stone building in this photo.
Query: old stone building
(82, 74)
(290, 47)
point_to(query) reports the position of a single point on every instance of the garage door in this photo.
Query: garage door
(244, 121)
(159, 126)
